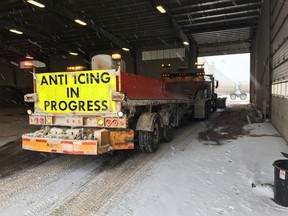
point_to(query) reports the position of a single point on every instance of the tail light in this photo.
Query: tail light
(201, 74)
(108, 122)
(115, 122)
(42, 120)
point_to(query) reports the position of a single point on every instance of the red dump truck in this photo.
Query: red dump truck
(103, 109)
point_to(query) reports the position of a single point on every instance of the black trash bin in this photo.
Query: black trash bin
(281, 182)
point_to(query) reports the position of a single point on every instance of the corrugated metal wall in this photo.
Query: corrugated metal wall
(7, 77)
(260, 60)
(269, 63)
(279, 64)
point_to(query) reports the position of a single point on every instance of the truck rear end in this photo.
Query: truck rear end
(80, 113)
(102, 110)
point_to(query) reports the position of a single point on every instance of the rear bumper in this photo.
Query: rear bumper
(81, 147)
(105, 142)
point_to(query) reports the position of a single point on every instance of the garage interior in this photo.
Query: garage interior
(147, 38)
(220, 155)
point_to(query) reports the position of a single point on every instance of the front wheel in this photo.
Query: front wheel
(233, 96)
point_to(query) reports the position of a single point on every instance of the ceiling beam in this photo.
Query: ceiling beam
(224, 17)
(12, 49)
(224, 43)
(219, 10)
(223, 22)
(55, 6)
(220, 27)
(178, 29)
(212, 4)
(31, 34)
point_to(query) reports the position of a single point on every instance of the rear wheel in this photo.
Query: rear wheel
(168, 133)
(149, 140)
(142, 140)
(207, 110)
(213, 105)
(243, 96)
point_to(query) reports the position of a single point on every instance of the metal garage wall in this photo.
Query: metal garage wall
(260, 60)
(279, 53)
(7, 75)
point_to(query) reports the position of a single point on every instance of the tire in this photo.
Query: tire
(213, 105)
(167, 133)
(207, 110)
(233, 96)
(243, 96)
(149, 140)
(142, 140)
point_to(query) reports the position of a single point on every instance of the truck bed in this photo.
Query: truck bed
(142, 90)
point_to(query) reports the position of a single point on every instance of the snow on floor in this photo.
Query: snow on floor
(207, 180)
(235, 178)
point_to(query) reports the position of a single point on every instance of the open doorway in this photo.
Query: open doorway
(233, 74)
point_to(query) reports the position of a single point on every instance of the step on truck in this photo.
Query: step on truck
(92, 112)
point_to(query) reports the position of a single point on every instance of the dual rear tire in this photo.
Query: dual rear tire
(149, 141)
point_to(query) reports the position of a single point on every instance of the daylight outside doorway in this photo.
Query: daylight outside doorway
(233, 74)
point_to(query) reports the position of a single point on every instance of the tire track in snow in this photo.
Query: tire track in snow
(110, 185)
(28, 188)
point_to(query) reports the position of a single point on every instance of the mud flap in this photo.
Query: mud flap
(146, 122)
(200, 110)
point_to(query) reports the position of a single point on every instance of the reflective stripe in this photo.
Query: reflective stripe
(89, 143)
(40, 140)
(26, 139)
(67, 142)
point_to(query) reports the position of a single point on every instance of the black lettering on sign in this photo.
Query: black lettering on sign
(105, 77)
(55, 79)
(92, 78)
(46, 104)
(72, 105)
(44, 81)
(53, 105)
(81, 106)
(81, 79)
(104, 105)
(63, 79)
(96, 104)
(62, 105)
(76, 105)
(72, 92)
(89, 105)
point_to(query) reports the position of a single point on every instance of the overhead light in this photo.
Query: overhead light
(185, 43)
(76, 68)
(161, 9)
(125, 49)
(29, 57)
(116, 56)
(15, 31)
(73, 53)
(80, 22)
(36, 3)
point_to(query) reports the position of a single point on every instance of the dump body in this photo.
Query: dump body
(93, 112)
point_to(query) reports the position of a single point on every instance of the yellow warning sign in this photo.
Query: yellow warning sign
(80, 92)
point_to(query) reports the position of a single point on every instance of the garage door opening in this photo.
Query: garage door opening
(233, 74)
